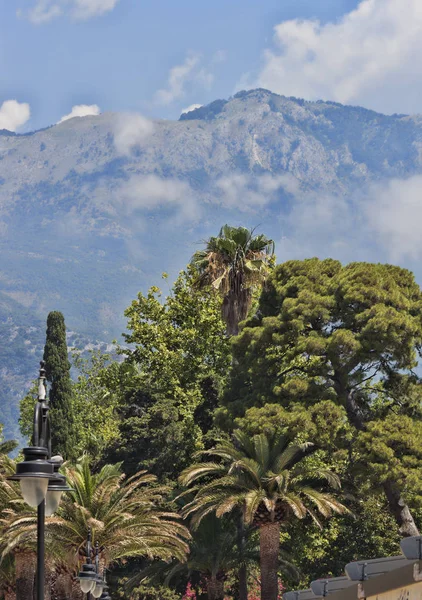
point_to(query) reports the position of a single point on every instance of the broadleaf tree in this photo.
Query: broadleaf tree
(175, 362)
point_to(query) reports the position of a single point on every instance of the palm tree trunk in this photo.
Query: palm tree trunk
(76, 590)
(10, 595)
(25, 565)
(62, 589)
(269, 541)
(215, 588)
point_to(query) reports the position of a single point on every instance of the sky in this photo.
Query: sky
(159, 57)
(156, 58)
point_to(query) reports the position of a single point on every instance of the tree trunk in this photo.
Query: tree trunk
(242, 574)
(400, 510)
(10, 595)
(62, 588)
(398, 507)
(49, 579)
(243, 583)
(215, 588)
(77, 593)
(25, 565)
(269, 541)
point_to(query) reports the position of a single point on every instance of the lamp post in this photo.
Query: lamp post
(89, 576)
(40, 482)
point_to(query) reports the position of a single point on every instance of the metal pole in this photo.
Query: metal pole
(40, 550)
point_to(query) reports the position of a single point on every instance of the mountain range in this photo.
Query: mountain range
(94, 209)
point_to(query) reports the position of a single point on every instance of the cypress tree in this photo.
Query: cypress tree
(57, 368)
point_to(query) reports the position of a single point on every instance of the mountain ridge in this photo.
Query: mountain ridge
(93, 209)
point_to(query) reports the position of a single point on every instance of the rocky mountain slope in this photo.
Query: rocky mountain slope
(93, 210)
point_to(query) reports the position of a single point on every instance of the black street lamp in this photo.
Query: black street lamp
(40, 482)
(89, 577)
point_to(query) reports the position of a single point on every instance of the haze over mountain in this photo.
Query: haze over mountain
(93, 209)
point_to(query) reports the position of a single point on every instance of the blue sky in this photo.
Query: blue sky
(118, 60)
(158, 57)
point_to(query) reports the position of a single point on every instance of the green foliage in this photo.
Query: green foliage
(170, 379)
(324, 552)
(260, 475)
(95, 404)
(57, 367)
(324, 330)
(213, 554)
(179, 342)
(149, 592)
(26, 407)
(124, 514)
(392, 450)
(347, 336)
(6, 446)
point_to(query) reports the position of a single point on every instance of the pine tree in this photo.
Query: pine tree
(57, 368)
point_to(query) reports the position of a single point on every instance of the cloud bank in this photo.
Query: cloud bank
(44, 11)
(130, 131)
(144, 194)
(371, 56)
(14, 114)
(190, 72)
(393, 212)
(81, 110)
(249, 193)
(379, 223)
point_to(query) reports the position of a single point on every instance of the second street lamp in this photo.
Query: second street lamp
(89, 577)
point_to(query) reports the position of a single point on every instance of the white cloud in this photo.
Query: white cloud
(189, 72)
(323, 225)
(178, 77)
(14, 114)
(380, 223)
(147, 192)
(131, 130)
(82, 110)
(251, 192)
(394, 213)
(85, 9)
(371, 56)
(46, 10)
(191, 108)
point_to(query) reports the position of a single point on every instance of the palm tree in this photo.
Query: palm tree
(234, 263)
(124, 516)
(271, 480)
(21, 553)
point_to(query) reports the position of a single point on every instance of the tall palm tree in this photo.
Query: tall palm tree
(272, 480)
(234, 263)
